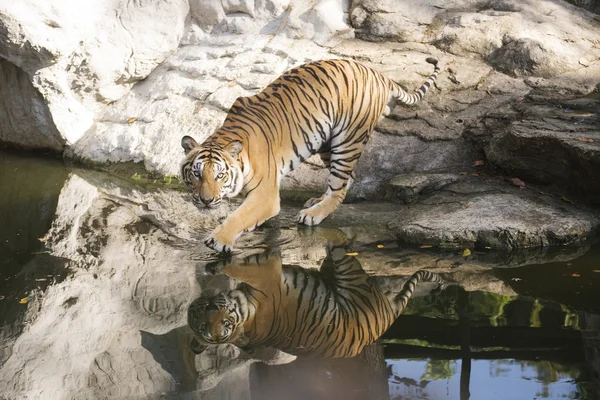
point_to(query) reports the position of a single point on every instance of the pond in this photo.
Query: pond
(98, 273)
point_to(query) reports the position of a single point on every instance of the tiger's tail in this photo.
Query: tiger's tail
(401, 299)
(402, 96)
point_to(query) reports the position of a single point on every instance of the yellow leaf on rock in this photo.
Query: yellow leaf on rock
(131, 120)
(23, 300)
(567, 200)
(585, 140)
(466, 253)
(425, 246)
(352, 254)
(380, 246)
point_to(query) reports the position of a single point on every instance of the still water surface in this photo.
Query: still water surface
(98, 308)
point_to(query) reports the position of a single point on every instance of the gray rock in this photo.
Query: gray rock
(495, 217)
(525, 57)
(408, 187)
(557, 145)
(25, 120)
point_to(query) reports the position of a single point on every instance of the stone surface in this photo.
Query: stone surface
(82, 56)
(110, 82)
(493, 216)
(557, 145)
(25, 120)
(407, 188)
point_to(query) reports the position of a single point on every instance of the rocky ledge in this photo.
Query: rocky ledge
(113, 82)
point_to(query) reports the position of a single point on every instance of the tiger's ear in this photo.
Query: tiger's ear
(188, 143)
(234, 148)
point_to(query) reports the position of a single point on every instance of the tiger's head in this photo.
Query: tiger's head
(218, 319)
(211, 171)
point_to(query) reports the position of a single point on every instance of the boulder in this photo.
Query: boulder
(493, 215)
(78, 57)
(111, 82)
(408, 187)
(553, 144)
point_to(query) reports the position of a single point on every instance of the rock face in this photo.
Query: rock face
(557, 145)
(110, 82)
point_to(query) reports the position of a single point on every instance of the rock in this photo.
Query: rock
(408, 187)
(80, 57)
(553, 145)
(111, 82)
(25, 120)
(524, 57)
(492, 216)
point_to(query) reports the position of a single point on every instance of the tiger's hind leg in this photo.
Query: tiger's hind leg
(342, 160)
(326, 158)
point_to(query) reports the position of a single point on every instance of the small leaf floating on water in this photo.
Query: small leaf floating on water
(380, 246)
(569, 264)
(516, 182)
(576, 275)
(567, 200)
(462, 173)
(131, 120)
(1, 297)
(425, 246)
(474, 174)
(478, 163)
(516, 279)
(466, 253)
(352, 254)
(596, 270)
(23, 300)
(585, 140)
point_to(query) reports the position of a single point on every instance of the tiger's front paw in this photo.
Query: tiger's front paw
(311, 216)
(219, 244)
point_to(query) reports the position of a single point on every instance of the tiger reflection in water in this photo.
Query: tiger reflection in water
(333, 312)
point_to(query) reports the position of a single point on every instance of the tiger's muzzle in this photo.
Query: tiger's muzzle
(208, 203)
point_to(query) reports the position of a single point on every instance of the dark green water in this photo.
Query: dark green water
(538, 338)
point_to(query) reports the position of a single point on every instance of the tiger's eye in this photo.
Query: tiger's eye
(197, 174)
(221, 175)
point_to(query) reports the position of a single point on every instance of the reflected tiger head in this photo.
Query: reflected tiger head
(211, 171)
(218, 318)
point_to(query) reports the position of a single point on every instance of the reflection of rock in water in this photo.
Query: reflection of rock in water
(590, 332)
(115, 327)
(30, 188)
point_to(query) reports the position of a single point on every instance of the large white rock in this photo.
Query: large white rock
(114, 81)
(81, 56)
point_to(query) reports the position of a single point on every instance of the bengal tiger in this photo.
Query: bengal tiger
(333, 313)
(327, 107)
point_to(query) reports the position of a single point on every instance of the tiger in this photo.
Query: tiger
(327, 107)
(332, 313)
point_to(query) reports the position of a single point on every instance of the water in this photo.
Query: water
(98, 307)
